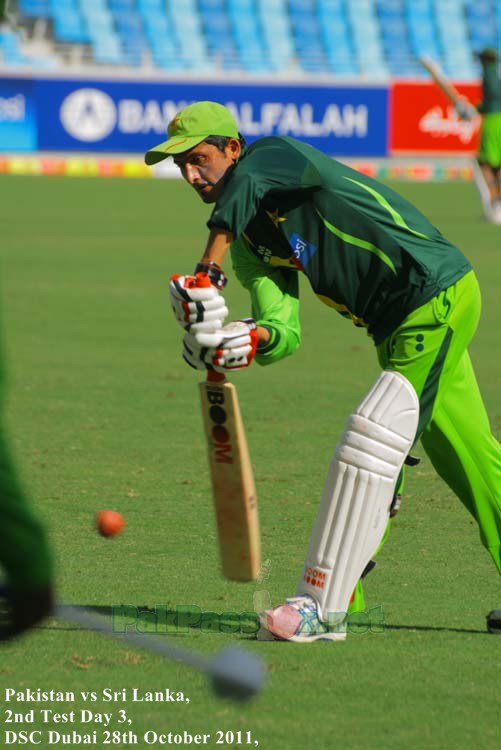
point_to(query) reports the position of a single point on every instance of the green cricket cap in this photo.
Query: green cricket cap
(191, 126)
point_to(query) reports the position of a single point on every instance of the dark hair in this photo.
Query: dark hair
(221, 141)
(489, 54)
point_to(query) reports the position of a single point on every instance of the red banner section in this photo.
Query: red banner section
(423, 120)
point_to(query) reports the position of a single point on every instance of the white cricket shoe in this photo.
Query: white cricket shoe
(298, 621)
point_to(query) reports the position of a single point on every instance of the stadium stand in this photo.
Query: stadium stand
(373, 39)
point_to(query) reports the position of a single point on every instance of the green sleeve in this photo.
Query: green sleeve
(491, 89)
(275, 302)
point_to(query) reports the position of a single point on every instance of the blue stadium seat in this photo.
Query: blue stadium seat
(273, 7)
(245, 22)
(394, 30)
(212, 6)
(481, 9)
(186, 6)
(420, 13)
(70, 27)
(277, 38)
(253, 57)
(129, 25)
(165, 51)
(334, 30)
(185, 17)
(35, 8)
(106, 49)
(93, 5)
(340, 56)
(483, 35)
(304, 25)
(132, 37)
(335, 7)
(302, 6)
(423, 40)
(146, 6)
(156, 21)
(122, 5)
(10, 49)
(389, 9)
(55, 5)
(242, 6)
(215, 25)
(97, 20)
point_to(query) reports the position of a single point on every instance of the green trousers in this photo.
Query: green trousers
(430, 348)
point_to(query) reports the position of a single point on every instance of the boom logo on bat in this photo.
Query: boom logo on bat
(221, 438)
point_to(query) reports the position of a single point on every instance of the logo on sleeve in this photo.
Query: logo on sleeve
(302, 250)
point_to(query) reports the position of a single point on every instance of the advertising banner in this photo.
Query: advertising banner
(18, 127)
(423, 120)
(117, 116)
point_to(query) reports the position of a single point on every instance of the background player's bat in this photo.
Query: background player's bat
(460, 101)
(232, 479)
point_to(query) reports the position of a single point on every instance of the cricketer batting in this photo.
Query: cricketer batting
(283, 208)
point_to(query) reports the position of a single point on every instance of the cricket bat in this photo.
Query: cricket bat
(232, 479)
(446, 86)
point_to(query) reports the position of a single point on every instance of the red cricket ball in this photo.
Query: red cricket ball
(109, 522)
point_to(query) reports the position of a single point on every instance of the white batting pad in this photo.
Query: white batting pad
(358, 492)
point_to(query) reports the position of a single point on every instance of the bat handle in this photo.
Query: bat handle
(215, 377)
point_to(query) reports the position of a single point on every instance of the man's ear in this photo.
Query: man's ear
(233, 148)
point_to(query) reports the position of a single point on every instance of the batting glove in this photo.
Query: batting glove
(465, 110)
(230, 348)
(197, 304)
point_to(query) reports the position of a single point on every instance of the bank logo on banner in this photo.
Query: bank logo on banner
(129, 116)
(88, 114)
(441, 122)
(423, 119)
(18, 130)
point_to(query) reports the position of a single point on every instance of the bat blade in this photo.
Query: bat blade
(232, 480)
(440, 79)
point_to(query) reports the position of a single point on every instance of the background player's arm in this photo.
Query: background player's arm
(275, 303)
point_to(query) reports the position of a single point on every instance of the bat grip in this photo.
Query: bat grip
(215, 377)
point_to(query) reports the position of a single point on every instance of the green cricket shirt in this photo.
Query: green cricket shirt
(491, 89)
(366, 251)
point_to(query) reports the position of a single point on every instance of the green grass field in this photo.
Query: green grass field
(102, 412)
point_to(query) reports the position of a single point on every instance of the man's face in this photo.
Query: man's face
(204, 166)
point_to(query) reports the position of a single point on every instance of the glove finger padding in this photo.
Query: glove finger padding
(197, 305)
(230, 348)
(194, 354)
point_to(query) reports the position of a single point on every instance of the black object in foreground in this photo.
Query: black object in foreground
(494, 621)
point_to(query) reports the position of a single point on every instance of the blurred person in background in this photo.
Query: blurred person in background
(489, 153)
